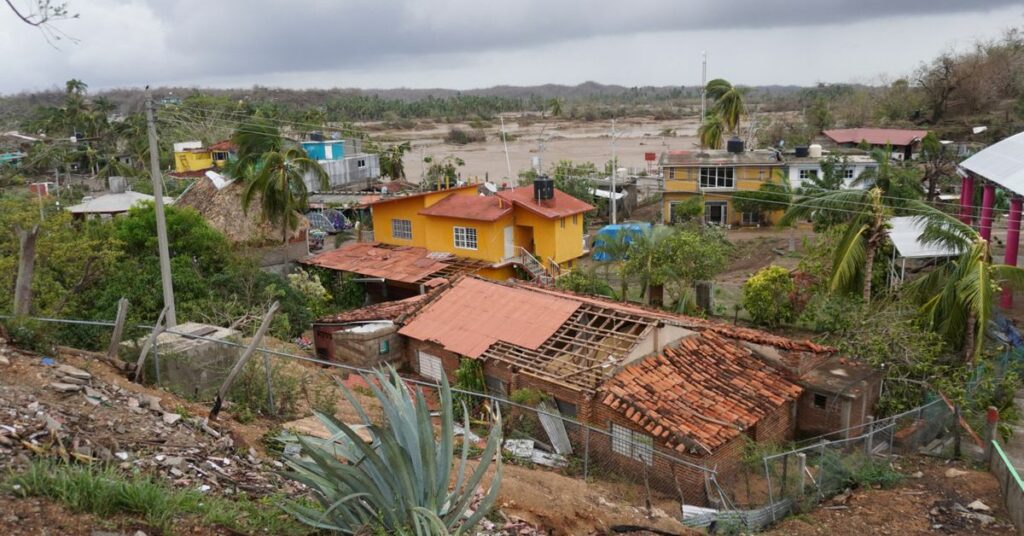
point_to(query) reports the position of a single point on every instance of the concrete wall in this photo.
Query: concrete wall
(364, 350)
(353, 169)
(189, 367)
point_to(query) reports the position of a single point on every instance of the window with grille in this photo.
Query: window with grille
(807, 174)
(632, 444)
(717, 177)
(848, 174)
(401, 229)
(465, 237)
(430, 366)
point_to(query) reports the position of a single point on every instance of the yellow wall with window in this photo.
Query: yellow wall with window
(559, 239)
(192, 161)
(408, 208)
(683, 182)
(490, 237)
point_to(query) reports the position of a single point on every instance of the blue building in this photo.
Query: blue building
(325, 150)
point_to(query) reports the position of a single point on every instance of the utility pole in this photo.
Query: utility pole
(615, 165)
(703, 85)
(161, 223)
(504, 141)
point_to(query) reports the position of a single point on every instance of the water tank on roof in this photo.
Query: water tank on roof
(316, 136)
(543, 188)
(815, 150)
(734, 145)
(801, 151)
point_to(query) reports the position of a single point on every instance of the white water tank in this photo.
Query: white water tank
(814, 151)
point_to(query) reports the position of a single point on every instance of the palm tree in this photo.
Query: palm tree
(613, 249)
(866, 213)
(76, 87)
(279, 180)
(710, 133)
(728, 103)
(391, 163)
(650, 261)
(554, 104)
(254, 139)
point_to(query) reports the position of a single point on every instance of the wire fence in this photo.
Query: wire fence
(626, 469)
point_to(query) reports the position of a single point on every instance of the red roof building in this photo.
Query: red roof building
(560, 206)
(470, 207)
(902, 141)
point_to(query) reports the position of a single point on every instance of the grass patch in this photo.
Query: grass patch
(105, 492)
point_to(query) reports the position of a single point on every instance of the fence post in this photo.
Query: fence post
(869, 444)
(156, 362)
(821, 470)
(270, 383)
(991, 423)
(157, 330)
(956, 431)
(586, 453)
(785, 471)
(115, 338)
(801, 462)
(218, 401)
(771, 494)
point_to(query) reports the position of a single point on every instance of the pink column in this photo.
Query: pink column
(1012, 240)
(988, 200)
(966, 199)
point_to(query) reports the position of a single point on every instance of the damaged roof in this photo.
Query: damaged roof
(474, 314)
(698, 394)
(391, 310)
(876, 136)
(395, 263)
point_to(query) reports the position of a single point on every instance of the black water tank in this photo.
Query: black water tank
(734, 145)
(316, 136)
(543, 188)
(801, 152)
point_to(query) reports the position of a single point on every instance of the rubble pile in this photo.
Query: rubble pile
(74, 416)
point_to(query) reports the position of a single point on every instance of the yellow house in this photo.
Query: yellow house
(506, 229)
(716, 175)
(192, 156)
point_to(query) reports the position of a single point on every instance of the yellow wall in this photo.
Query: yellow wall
(408, 208)
(551, 240)
(192, 161)
(681, 183)
(490, 238)
(734, 218)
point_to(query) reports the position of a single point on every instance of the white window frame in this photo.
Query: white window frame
(361, 163)
(399, 229)
(430, 365)
(631, 444)
(807, 174)
(465, 237)
(717, 178)
(848, 174)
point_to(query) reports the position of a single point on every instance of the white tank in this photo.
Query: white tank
(814, 151)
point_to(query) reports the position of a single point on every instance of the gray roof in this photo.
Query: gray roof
(113, 203)
(1001, 163)
(906, 236)
(720, 157)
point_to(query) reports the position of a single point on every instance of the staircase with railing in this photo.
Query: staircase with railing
(533, 266)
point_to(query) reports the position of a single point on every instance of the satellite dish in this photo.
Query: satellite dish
(491, 187)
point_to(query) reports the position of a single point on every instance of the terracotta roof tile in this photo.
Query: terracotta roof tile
(876, 136)
(702, 392)
(470, 207)
(391, 310)
(561, 206)
(474, 314)
(371, 259)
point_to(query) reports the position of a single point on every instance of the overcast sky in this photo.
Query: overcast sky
(479, 43)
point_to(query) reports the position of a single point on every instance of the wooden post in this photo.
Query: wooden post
(115, 339)
(801, 460)
(956, 428)
(869, 443)
(223, 392)
(26, 267)
(157, 330)
(991, 423)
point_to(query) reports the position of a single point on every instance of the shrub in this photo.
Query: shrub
(459, 136)
(767, 296)
(249, 391)
(28, 334)
(528, 396)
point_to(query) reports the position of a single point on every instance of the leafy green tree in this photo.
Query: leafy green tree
(767, 296)
(443, 173)
(585, 281)
(279, 183)
(613, 249)
(554, 106)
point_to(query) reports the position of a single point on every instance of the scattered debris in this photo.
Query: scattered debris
(953, 472)
(979, 506)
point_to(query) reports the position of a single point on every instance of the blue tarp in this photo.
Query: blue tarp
(610, 232)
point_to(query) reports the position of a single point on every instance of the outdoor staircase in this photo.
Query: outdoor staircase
(536, 269)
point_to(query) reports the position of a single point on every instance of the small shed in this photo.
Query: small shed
(365, 337)
(111, 205)
(905, 235)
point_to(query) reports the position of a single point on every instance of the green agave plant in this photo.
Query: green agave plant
(401, 481)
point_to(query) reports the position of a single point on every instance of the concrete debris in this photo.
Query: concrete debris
(917, 474)
(171, 418)
(72, 372)
(66, 387)
(953, 472)
(4, 360)
(979, 506)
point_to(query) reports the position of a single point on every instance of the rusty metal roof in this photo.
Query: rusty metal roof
(391, 310)
(474, 314)
(403, 264)
(876, 136)
(560, 206)
(470, 207)
(698, 394)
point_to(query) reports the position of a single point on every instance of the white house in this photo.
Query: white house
(807, 165)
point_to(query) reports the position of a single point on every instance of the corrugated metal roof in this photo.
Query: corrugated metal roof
(1001, 163)
(560, 206)
(876, 136)
(391, 310)
(474, 314)
(470, 207)
(113, 203)
(906, 237)
(702, 392)
(403, 264)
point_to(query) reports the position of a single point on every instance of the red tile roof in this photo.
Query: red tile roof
(698, 394)
(224, 145)
(561, 206)
(389, 198)
(403, 264)
(392, 310)
(474, 314)
(470, 207)
(876, 136)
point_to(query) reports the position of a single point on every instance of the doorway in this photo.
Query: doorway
(716, 213)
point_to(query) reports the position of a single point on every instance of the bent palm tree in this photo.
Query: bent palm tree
(279, 179)
(710, 132)
(728, 103)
